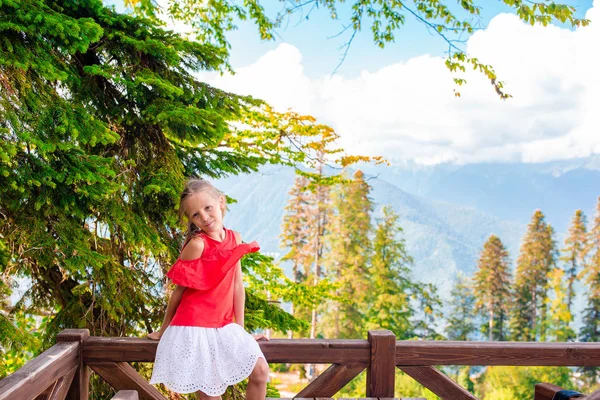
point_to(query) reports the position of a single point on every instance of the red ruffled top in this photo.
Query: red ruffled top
(208, 300)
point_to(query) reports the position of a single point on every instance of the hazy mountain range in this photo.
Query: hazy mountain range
(447, 211)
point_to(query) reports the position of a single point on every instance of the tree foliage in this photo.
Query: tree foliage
(461, 320)
(590, 329)
(452, 23)
(101, 122)
(537, 258)
(492, 288)
(559, 318)
(505, 383)
(574, 253)
(391, 292)
(295, 230)
(349, 246)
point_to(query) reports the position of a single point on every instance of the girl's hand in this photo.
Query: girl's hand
(260, 337)
(155, 335)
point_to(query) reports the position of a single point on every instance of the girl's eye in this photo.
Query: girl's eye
(207, 208)
(195, 215)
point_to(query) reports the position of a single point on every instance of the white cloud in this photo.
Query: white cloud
(277, 77)
(408, 110)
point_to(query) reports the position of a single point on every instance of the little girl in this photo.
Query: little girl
(203, 346)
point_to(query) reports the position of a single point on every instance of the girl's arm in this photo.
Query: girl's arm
(191, 251)
(170, 313)
(239, 293)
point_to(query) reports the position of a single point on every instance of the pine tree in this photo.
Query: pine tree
(101, 121)
(461, 321)
(390, 288)
(320, 216)
(492, 287)
(537, 258)
(296, 236)
(295, 230)
(430, 306)
(559, 317)
(590, 329)
(574, 253)
(348, 255)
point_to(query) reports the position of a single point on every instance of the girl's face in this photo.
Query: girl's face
(206, 212)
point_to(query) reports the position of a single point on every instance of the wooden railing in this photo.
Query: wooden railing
(63, 370)
(548, 391)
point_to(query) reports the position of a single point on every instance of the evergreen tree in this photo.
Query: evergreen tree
(559, 317)
(590, 329)
(295, 230)
(101, 121)
(390, 288)
(461, 322)
(320, 216)
(574, 253)
(491, 287)
(537, 258)
(430, 304)
(348, 255)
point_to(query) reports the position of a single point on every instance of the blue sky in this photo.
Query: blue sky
(322, 53)
(398, 102)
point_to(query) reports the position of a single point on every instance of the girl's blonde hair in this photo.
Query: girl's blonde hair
(193, 186)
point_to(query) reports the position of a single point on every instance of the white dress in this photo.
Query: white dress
(192, 358)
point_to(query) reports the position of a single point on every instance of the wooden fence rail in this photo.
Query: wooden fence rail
(65, 366)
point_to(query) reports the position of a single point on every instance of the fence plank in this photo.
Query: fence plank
(408, 353)
(331, 381)
(438, 383)
(41, 372)
(315, 351)
(545, 391)
(548, 391)
(382, 367)
(45, 395)
(123, 376)
(426, 352)
(79, 388)
(63, 385)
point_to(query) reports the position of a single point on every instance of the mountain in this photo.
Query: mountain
(443, 238)
(510, 191)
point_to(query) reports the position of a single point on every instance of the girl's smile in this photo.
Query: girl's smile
(206, 212)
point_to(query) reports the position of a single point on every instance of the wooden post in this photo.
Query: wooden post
(382, 366)
(79, 389)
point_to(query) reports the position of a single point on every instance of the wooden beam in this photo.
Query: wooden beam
(80, 386)
(548, 391)
(545, 391)
(45, 395)
(123, 376)
(126, 395)
(438, 383)
(331, 381)
(317, 351)
(426, 352)
(61, 389)
(300, 351)
(382, 367)
(38, 374)
(408, 353)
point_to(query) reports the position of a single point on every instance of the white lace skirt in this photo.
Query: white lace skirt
(190, 358)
